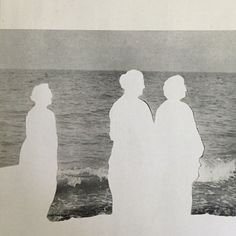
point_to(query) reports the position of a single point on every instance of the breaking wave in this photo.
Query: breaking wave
(222, 171)
(76, 176)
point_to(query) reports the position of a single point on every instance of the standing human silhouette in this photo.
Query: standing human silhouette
(38, 156)
(179, 149)
(130, 126)
(27, 190)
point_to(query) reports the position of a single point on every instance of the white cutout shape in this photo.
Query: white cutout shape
(131, 126)
(34, 179)
(179, 148)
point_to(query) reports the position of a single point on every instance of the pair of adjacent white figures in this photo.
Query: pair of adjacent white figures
(153, 164)
(151, 168)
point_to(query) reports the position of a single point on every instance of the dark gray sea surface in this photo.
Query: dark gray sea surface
(81, 103)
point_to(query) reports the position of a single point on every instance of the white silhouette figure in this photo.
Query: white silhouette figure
(179, 148)
(27, 190)
(38, 171)
(130, 128)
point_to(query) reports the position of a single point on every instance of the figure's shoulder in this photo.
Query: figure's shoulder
(37, 114)
(31, 112)
(163, 106)
(116, 107)
(50, 113)
(118, 104)
(185, 110)
(162, 110)
(145, 105)
(173, 106)
(185, 106)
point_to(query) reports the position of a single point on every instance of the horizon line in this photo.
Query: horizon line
(119, 70)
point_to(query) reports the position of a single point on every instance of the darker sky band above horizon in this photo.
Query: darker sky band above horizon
(193, 51)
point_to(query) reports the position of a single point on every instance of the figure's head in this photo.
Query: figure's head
(174, 88)
(41, 95)
(133, 83)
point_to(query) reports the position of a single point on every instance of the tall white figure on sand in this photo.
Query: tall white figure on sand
(130, 127)
(38, 171)
(27, 190)
(179, 148)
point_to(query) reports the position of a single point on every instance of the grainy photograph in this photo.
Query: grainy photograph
(81, 75)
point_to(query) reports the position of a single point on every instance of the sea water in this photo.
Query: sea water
(81, 103)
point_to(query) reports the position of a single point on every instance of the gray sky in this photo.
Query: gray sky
(201, 51)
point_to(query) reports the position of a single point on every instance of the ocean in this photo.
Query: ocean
(81, 104)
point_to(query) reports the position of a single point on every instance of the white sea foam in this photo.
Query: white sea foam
(75, 176)
(221, 171)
